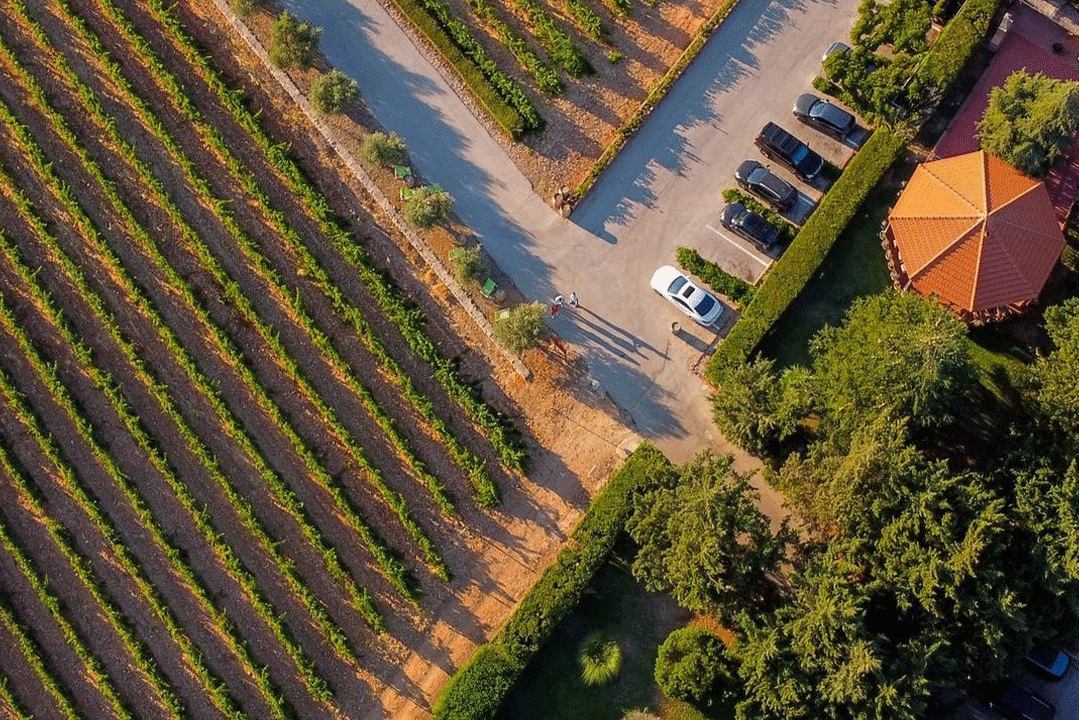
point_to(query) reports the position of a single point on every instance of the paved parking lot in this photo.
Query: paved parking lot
(732, 251)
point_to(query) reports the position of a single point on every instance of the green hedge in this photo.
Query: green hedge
(798, 264)
(476, 691)
(658, 91)
(509, 119)
(958, 40)
(715, 277)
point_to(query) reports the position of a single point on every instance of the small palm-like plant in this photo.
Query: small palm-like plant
(600, 660)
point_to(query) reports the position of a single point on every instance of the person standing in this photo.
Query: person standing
(574, 300)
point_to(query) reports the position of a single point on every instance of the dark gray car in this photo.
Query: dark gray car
(749, 225)
(824, 116)
(1021, 704)
(765, 184)
(775, 143)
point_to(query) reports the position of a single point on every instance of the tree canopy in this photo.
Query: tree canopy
(1030, 121)
(896, 354)
(702, 537)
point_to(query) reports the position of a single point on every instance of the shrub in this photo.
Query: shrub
(333, 91)
(614, 56)
(798, 264)
(382, 149)
(468, 695)
(427, 207)
(715, 277)
(600, 660)
(478, 688)
(692, 665)
(293, 42)
(522, 327)
(468, 265)
(247, 8)
(639, 715)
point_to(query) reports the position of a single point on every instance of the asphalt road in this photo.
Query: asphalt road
(661, 192)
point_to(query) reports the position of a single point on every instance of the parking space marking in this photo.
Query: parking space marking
(732, 242)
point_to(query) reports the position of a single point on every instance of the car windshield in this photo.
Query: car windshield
(678, 284)
(799, 155)
(705, 305)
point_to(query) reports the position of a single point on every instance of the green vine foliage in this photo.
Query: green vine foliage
(499, 430)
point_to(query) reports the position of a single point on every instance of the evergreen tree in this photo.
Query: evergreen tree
(1030, 121)
(702, 537)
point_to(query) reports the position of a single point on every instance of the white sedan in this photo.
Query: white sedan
(682, 293)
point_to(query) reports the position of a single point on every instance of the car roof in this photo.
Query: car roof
(774, 183)
(832, 113)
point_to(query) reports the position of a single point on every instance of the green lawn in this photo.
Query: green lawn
(854, 268)
(618, 607)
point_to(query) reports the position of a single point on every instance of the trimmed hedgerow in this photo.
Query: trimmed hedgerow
(736, 289)
(792, 271)
(957, 42)
(476, 691)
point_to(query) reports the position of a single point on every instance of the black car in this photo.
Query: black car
(765, 184)
(824, 116)
(777, 144)
(1019, 703)
(1048, 662)
(749, 225)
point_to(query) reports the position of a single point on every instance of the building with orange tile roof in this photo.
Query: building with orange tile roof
(976, 233)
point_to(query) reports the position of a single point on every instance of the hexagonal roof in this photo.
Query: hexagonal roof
(976, 232)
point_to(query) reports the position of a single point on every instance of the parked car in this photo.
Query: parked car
(765, 184)
(775, 143)
(682, 293)
(836, 47)
(1048, 662)
(1019, 703)
(824, 116)
(738, 218)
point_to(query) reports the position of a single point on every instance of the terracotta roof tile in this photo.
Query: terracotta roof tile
(976, 232)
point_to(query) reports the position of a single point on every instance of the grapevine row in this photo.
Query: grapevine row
(144, 661)
(499, 430)
(280, 492)
(191, 654)
(241, 302)
(247, 179)
(546, 78)
(587, 18)
(221, 548)
(10, 702)
(558, 44)
(74, 488)
(484, 487)
(316, 272)
(32, 653)
(392, 567)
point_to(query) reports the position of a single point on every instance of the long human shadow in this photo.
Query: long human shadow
(662, 147)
